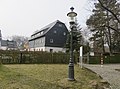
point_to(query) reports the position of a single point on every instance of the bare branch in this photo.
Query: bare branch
(113, 29)
(109, 11)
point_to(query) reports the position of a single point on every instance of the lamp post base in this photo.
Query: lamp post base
(69, 79)
(71, 72)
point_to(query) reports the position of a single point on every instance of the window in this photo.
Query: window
(51, 40)
(64, 33)
(42, 32)
(60, 25)
(40, 40)
(55, 31)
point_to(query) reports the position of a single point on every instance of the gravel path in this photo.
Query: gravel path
(107, 72)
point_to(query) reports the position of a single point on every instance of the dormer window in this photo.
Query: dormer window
(42, 32)
(60, 25)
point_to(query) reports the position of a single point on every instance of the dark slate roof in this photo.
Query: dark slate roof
(44, 30)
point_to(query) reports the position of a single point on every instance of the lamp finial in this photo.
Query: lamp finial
(72, 8)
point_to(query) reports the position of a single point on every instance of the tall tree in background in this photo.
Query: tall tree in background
(104, 24)
(116, 16)
(95, 23)
(77, 38)
(21, 40)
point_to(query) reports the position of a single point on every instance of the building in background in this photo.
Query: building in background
(51, 38)
(7, 44)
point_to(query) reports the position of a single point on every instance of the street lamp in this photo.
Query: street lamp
(72, 16)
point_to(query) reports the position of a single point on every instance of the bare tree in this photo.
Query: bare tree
(21, 40)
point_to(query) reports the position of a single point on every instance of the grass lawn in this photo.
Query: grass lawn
(44, 76)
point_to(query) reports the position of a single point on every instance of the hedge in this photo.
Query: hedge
(106, 59)
(31, 57)
(37, 57)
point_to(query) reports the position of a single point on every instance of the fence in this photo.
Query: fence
(107, 59)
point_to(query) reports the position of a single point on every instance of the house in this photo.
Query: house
(51, 38)
(6, 44)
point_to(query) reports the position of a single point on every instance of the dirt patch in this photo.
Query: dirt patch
(117, 70)
(101, 85)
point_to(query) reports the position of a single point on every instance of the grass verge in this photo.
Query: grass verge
(45, 76)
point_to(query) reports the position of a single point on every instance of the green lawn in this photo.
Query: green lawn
(44, 76)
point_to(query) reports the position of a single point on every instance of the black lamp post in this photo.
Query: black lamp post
(72, 16)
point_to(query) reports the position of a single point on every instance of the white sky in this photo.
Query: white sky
(23, 17)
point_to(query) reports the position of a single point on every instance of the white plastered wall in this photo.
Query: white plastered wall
(55, 49)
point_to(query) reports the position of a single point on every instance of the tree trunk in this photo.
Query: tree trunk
(109, 34)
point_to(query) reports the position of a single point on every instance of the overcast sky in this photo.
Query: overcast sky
(23, 17)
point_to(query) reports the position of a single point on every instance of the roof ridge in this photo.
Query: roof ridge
(53, 23)
(50, 25)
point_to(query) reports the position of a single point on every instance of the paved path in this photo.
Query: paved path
(108, 73)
